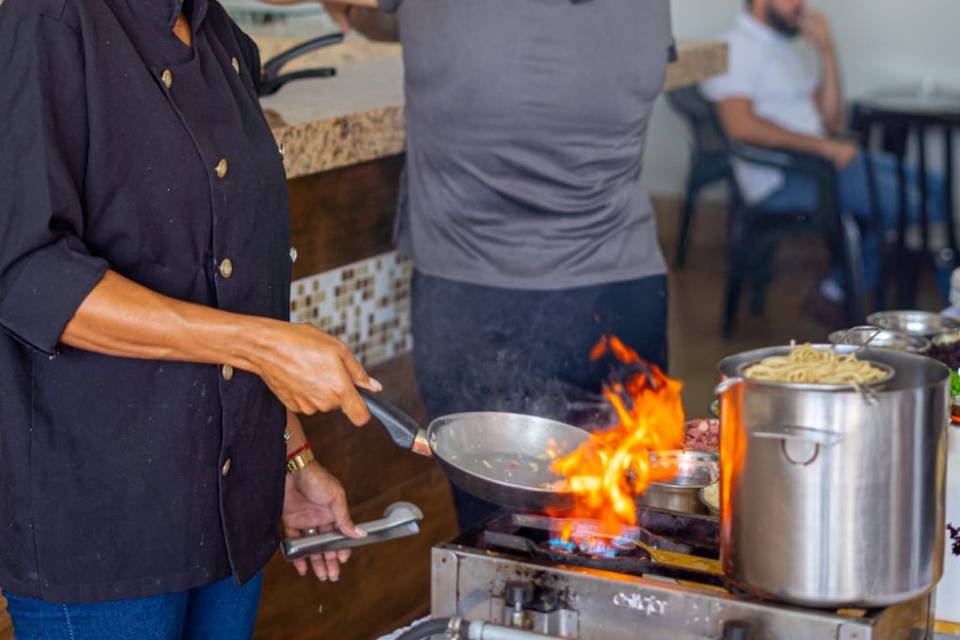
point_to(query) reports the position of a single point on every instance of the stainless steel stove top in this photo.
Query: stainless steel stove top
(513, 573)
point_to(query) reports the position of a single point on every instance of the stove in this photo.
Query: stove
(659, 580)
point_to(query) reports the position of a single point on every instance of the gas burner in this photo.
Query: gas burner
(594, 546)
(633, 552)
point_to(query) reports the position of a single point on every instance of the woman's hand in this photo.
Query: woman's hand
(310, 371)
(316, 500)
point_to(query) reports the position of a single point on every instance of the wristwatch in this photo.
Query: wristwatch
(299, 461)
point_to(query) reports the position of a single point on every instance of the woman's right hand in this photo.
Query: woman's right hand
(311, 371)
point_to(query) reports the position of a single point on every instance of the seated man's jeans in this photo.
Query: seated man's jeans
(220, 611)
(800, 193)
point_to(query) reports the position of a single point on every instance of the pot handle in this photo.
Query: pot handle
(726, 385)
(820, 437)
(399, 425)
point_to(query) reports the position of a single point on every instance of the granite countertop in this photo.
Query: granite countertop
(357, 116)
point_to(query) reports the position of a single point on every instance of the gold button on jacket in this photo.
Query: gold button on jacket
(226, 268)
(225, 469)
(167, 78)
(236, 64)
(227, 372)
(222, 169)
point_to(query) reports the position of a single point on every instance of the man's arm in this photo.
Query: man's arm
(829, 96)
(743, 125)
(340, 10)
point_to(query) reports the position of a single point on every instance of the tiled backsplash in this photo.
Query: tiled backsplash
(366, 304)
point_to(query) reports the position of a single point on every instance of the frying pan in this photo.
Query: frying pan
(502, 458)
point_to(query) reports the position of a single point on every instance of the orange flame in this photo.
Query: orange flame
(609, 471)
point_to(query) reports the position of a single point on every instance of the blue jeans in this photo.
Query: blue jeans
(220, 611)
(800, 193)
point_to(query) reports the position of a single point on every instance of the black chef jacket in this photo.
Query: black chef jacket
(122, 148)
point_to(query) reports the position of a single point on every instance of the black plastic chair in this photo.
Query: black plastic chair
(753, 234)
(709, 159)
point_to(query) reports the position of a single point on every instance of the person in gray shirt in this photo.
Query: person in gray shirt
(521, 203)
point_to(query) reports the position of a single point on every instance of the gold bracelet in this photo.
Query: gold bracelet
(299, 461)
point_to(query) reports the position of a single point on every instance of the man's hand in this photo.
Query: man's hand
(840, 152)
(310, 371)
(316, 500)
(816, 29)
(340, 12)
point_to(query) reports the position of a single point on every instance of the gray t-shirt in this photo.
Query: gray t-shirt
(526, 122)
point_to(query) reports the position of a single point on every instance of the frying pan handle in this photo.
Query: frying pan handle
(271, 68)
(400, 426)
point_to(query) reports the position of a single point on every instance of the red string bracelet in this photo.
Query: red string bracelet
(291, 456)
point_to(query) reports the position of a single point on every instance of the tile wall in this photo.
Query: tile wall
(366, 304)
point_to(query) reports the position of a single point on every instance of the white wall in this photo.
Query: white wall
(880, 43)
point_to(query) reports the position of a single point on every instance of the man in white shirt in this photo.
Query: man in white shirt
(774, 95)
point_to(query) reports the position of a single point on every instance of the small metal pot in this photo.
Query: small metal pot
(695, 470)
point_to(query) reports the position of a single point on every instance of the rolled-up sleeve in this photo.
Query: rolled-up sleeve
(742, 76)
(46, 271)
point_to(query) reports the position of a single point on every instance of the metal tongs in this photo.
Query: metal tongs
(400, 520)
(860, 345)
(868, 393)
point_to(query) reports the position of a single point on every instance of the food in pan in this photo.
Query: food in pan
(711, 496)
(805, 364)
(946, 349)
(702, 435)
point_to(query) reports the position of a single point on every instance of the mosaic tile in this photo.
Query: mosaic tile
(365, 304)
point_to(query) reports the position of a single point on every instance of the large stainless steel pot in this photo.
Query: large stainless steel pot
(834, 498)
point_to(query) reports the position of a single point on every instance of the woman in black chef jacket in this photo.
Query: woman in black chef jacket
(149, 382)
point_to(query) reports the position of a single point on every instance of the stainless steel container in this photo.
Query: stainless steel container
(914, 323)
(694, 471)
(833, 497)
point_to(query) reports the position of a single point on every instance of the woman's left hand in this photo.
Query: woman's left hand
(316, 500)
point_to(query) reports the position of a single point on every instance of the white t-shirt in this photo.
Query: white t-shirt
(771, 70)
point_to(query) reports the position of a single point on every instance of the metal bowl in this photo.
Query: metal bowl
(914, 323)
(694, 471)
(881, 339)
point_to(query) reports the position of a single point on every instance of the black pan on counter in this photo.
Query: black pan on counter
(272, 80)
(503, 458)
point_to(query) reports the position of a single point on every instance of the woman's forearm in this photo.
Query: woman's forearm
(308, 370)
(297, 436)
(123, 318)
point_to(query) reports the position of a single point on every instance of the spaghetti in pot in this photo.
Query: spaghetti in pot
(807, 365)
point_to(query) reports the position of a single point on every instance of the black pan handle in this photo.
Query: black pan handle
(268, 87)
(271, 68)
(271, 80)
(401, 427)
